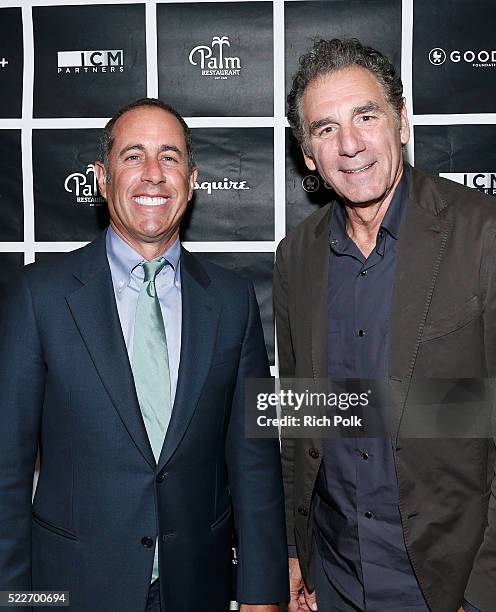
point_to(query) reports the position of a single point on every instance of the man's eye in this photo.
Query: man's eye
(367, 117)
(329, 129)
(133, 157)
(170, 161)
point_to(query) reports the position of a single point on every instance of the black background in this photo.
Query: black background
(88, 28)
(248, 25)
(453, 87)
(11, 203)
(11, 48)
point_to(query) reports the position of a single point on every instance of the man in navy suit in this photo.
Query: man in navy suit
(121, 521)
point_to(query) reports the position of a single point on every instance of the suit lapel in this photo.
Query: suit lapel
(319, 273)
(95, 313)
(200, 316)
(423, 238)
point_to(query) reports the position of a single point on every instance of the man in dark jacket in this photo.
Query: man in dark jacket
(124, 363)
(394, 280)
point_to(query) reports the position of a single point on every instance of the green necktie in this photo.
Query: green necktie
(151, 360)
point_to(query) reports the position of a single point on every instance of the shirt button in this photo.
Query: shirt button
(147, 542)
(363, 273)
(314, 453)
(361, 333)
(368, 514)
(365, 455)
(302, 510)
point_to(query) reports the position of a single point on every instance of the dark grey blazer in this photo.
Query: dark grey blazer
(67, 388)
(443, 324)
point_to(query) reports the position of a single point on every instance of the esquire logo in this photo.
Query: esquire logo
(478, 59)
(79, 62)
(84, 187)
(213, 61)
(210, 186)
(482, 181)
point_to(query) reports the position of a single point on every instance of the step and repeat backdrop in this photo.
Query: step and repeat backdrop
(66, 67)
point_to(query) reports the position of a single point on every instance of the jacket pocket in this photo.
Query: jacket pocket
(221, 518)
(454, 320)
(60, 531)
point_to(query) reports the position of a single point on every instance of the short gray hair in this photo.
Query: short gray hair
(328, 56)
(107, 137)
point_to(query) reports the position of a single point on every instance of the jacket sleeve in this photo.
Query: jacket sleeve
(481, 587)
(286, 370)
(22, 381)
(255, 481)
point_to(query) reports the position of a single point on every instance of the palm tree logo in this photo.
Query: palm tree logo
(220, 41)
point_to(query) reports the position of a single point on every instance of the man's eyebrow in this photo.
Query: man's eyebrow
(140, 147)
(315, 125)
(368, 107)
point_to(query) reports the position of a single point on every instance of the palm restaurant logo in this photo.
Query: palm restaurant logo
(84, 187)
(482, 181)
(214, 61)
(80, 62)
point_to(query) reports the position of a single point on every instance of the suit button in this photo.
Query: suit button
(368, 514)
(302, 510)
(147, 542)
(314, 453)
(365, 455)
(161, 476)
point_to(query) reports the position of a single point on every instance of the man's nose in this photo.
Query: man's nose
(153, 172)
(350, 141)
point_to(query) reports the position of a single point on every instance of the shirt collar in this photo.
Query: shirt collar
(394, 214)
(392, 219)
(123, 258)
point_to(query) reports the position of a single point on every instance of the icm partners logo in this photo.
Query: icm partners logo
(482, 181)
(477, 59)
(225, 184)
(213, 61)
(84, 188)
(79, 62)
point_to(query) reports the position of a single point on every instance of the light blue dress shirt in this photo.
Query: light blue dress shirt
(127, 279)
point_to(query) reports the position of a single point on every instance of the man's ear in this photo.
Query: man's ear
(404, 126)
(192, 180)
(101, 177)
(310, 164)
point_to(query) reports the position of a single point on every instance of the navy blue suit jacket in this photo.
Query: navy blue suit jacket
(67, 389)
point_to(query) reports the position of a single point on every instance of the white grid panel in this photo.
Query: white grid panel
(278, 122)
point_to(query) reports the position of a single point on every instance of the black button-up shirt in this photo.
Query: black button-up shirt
(357, 521)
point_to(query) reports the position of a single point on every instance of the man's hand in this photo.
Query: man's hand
(300, 600)
(259, 608)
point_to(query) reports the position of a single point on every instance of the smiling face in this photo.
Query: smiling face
(353, 136)
(148, 185)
